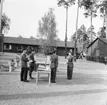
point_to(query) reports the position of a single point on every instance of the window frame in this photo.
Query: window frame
(19, 48)
(7, 48)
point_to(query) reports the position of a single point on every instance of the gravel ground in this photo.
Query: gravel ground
(88, 87)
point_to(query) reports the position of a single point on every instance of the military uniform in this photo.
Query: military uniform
(24, 69)
(69, 66)
(105, 59)
(53, 66)
(32, 66)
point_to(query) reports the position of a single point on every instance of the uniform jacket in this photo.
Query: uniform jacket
(24, 60)
(31, 57)
(70, 61)
(54, 61)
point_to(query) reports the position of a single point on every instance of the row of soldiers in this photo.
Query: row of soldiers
(54, 65)
(28, 62)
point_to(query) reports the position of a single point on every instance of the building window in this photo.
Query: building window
(7, 47)
(19, 48)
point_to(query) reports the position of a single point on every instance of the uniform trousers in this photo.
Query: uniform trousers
(53, 74)
(23, 74)
(69, 72)
(33, 67)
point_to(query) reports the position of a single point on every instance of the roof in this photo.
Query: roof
(28, 41)
(101, 39)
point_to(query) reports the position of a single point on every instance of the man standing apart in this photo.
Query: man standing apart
(53, 66)
(24, 68)
(70, 65)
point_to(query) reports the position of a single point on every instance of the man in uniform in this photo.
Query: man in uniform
(31, 64)
(70, 65)
(24, 68)
(53, 66)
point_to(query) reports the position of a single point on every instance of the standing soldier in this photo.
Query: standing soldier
(69, 65)
(24, 68)
(105, 60)
(31, 64)
(53, 66)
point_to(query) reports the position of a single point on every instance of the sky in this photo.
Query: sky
(25, 14)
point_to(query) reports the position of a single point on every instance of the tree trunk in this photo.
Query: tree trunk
(66, 31)
(75, 46)
(106, 22)
(1, 36)
(91, 31)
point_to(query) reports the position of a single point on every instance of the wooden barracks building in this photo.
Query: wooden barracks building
(98, 48)
(16, 45)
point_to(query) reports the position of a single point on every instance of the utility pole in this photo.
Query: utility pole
(91, 31)
(75, 46)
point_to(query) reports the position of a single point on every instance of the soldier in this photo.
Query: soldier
(69, 65)
(53, 66)
(24, 68)
(105, 59)
(31, 64)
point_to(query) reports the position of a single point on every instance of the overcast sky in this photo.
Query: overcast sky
(25, 14)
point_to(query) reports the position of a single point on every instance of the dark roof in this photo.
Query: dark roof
(92, 43)
(101, 39)
(16, 40)
(28, 41)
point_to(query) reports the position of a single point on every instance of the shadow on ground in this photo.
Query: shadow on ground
(49, 94)
(78, 79)
(61, 78)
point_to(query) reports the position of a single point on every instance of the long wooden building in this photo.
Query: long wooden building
(16, 45)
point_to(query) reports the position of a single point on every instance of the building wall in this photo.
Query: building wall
(103, 48)
(18, 48)
(99, 48)
(1, 43)
(92, 49)
(61, 50)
